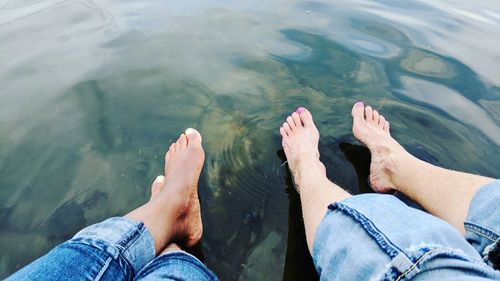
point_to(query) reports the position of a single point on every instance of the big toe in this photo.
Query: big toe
(305, 116)
(194, 137)
(358, 111)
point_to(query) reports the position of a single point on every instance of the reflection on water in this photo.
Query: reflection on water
(93, 93)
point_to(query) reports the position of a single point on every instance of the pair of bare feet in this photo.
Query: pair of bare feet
(301, 138)
(173, 216)
(443, 193)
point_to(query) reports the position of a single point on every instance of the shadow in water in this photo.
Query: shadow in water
(360, 158)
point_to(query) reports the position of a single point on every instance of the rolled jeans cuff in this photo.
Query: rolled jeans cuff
(120, 237)
(482, 224)
(374, 236)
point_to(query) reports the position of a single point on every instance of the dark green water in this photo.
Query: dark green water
(93, 93)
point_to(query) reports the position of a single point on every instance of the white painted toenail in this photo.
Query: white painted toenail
(189, 131)
(160, 179)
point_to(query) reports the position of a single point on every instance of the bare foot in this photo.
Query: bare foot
(173, 212)
(157, 186)
(300, 143)
(372, 129)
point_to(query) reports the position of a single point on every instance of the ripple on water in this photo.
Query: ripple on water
(286, 49)
(373, 47)
(427, 64)
(99, 89)
(453, 103)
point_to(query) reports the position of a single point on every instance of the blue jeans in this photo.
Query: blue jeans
(365, 237)
(378, 237)
(115, 249)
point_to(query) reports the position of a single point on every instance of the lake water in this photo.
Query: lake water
(93, 93)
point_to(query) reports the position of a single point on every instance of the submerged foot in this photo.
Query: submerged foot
(372, 129)
(173, 212)
(183, 165)
(300, 139)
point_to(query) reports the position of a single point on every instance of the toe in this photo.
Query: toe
(290, 122)
(387, 126)
(177, 144)
(376, 117)
(182, 141)
(193, 137)
(369, 113)
(171, 150)
(358, 111)
(305, 116)
(157, 185)
(296, 119)
(287, 128)
(282, 132)
(381, 122)
(358, 118)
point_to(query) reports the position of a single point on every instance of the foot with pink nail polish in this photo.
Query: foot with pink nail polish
(372, 129)
(173, 215)
(300, 139)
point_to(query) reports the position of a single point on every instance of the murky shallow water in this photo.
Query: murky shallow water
(93, 93)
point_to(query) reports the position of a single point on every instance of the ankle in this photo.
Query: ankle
(308, 172)
(401, 168)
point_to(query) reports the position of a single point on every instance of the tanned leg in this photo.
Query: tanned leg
(173, 212)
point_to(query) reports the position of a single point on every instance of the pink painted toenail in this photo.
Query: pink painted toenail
(359, 103)
(300, 110)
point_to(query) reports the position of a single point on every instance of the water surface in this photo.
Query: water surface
(94, 92)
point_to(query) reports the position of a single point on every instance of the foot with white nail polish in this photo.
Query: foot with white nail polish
(173, 212)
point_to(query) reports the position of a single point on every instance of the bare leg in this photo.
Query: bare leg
(173, 212)
(300, 143)
(172, 248)
(443, 193)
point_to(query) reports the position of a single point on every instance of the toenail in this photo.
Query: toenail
(359, 103)
(189, 131)
(300, 110)
(160, 179)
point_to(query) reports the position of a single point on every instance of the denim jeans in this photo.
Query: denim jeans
(115, 249)
(365, 237)
(378, 237)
